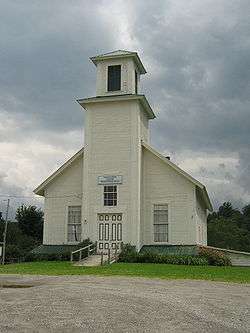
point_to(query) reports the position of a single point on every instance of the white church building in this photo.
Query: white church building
(117, 188)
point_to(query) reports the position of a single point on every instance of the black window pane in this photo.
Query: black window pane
(114, 78)
(136, 82)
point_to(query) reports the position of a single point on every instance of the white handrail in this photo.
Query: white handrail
(83, 248)
(80, 251)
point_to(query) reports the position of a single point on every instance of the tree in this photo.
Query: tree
(225, 233)
(17, 243)
(30, 221)
(246, 217)
(230, 228)
(226, 210)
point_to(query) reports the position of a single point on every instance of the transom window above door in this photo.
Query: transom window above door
(110, 195)
(110, 217)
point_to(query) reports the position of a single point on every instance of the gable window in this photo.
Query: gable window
(114, 78)
(110, 195)
(161, 223)
(74, 224)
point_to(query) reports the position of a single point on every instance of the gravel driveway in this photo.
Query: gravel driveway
(121, 304)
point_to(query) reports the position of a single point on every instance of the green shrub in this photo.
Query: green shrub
(149, 257)
(84, 243)
(47, 256)
(13, 253)
(129, 254)
(214, 257)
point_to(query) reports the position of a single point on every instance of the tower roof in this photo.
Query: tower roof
(120, 54)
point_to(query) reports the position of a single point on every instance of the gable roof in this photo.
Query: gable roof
(202, 189)
(40, 189)
(120, 54)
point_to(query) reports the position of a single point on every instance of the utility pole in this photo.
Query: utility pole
(5, 230)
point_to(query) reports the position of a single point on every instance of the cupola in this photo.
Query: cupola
(118, 73)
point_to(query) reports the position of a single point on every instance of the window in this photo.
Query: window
(161, 223)
(110, 195)
(114, 78)
(136, 82)
(110, 217)
(74, 224)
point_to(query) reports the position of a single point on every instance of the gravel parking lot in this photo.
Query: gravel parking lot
(121, 304)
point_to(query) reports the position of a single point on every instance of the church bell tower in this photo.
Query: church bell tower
(116, 122)
(118, 73)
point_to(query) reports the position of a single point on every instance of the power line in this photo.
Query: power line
(78, 195)
(15, 196)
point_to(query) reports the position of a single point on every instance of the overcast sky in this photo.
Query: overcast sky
(197, 54)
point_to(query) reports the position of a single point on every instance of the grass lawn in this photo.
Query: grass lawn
(163, 271)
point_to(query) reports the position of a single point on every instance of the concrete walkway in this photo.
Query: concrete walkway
(122, 304)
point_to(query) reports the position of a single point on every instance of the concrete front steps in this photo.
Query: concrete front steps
(91, 261)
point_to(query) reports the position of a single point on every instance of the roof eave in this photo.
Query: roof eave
(185, 174)
(131, 55)
(100, 99)
(39, 190)
(207, 199)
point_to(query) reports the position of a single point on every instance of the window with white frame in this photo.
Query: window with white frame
(161, 223)
(74, 224)
(110, 195)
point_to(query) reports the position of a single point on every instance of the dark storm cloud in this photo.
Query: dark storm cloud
(45, 47)
(202, 86)
(197, 54)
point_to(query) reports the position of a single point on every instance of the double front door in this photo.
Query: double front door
(109, 232)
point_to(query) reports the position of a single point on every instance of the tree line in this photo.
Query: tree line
(229, 228)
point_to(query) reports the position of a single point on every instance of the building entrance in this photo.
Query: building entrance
(109, 232)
